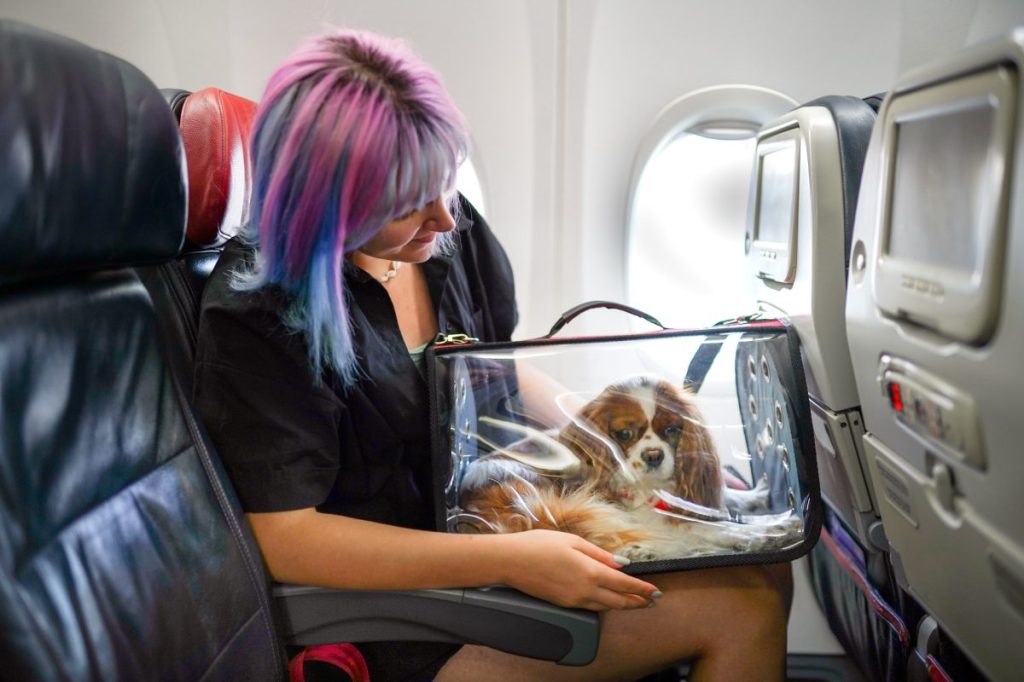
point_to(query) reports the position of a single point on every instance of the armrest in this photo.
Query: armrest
(498, 617)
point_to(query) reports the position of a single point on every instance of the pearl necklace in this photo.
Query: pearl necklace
(391, 273)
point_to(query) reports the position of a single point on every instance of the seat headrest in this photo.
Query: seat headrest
(875, 101)
(90, 157)
(175, 98)
(854, 119)
(215, 127)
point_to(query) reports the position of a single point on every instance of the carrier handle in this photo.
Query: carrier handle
(570, 314)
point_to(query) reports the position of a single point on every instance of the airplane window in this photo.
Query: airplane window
(468, 182)
(689, 215)
(685, 259)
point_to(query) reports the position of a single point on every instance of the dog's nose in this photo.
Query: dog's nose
(652, 457)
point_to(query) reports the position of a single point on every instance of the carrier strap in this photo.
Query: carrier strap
(702, 360)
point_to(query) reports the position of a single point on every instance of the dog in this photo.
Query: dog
(647, 482)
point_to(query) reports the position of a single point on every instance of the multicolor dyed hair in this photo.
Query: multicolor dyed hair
(352, 132)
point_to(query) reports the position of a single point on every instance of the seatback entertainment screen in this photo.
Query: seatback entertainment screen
(777, 200)
(776, 203)
(947, 153)
(939, 189)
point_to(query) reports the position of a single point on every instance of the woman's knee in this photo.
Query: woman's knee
(741, 605)
(733, 579)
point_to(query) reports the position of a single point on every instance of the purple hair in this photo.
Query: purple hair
(352, 132)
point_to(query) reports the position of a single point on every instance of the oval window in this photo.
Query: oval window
(467, 181)
(688, 206)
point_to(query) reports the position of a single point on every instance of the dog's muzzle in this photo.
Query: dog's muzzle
(652, 457)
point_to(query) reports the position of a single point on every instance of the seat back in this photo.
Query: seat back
(935, 324)
(215, 127)
(123, 554)
(803, 199)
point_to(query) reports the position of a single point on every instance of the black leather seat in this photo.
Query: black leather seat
(215, 128)
(123, 554)
(175, 98)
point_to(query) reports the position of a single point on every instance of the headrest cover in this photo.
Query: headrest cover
(215, 127)
(90, 160)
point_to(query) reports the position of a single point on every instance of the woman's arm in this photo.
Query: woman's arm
(307, 547)
(545, 399)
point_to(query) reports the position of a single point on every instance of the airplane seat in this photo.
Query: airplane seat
(936, 322)
(875, 101)
(808, 169)
(123, 554)
(215, 127)
(175, 98)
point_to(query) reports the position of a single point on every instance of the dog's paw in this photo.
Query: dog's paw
(753, 501)
(640, 552)
(785, 531)
(792, 527)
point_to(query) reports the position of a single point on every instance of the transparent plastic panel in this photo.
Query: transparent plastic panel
(606, 438)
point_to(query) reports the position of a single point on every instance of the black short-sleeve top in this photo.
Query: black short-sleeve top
(291, 442)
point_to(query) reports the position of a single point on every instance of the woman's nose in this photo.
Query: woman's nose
(439, 218)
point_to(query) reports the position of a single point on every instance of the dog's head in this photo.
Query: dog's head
(644, 435)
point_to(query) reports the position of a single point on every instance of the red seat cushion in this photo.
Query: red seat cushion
(215, 127)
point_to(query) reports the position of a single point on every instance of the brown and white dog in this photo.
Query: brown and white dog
(642, 439)
(649, 483)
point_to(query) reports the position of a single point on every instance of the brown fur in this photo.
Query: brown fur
(517, 505)
(697, 474)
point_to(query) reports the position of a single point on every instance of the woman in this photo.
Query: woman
(307, 380)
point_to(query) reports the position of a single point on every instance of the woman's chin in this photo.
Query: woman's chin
(417, 251)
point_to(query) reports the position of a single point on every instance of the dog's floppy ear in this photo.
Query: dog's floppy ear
(698, 469)
(587, 437)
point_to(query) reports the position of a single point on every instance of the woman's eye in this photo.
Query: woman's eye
(406, 215)
(623, 434)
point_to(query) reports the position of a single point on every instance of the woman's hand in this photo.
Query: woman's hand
(569, 571)
(307, 547)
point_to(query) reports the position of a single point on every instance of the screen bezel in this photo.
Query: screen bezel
(775, 260)
(960, 305)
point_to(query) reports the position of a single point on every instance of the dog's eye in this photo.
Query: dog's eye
(623, 434)
(673, 431)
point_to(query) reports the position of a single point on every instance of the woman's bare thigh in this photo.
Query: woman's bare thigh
(731, 621)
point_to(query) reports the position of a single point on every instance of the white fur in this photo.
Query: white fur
(487, 471)
(753, 501)
(696, 538)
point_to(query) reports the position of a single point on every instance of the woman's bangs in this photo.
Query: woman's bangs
(426, 170)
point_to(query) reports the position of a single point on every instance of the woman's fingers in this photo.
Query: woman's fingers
(617, 580)
(595, 552)
(569, 571)
(627, 584)
(603, 599)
